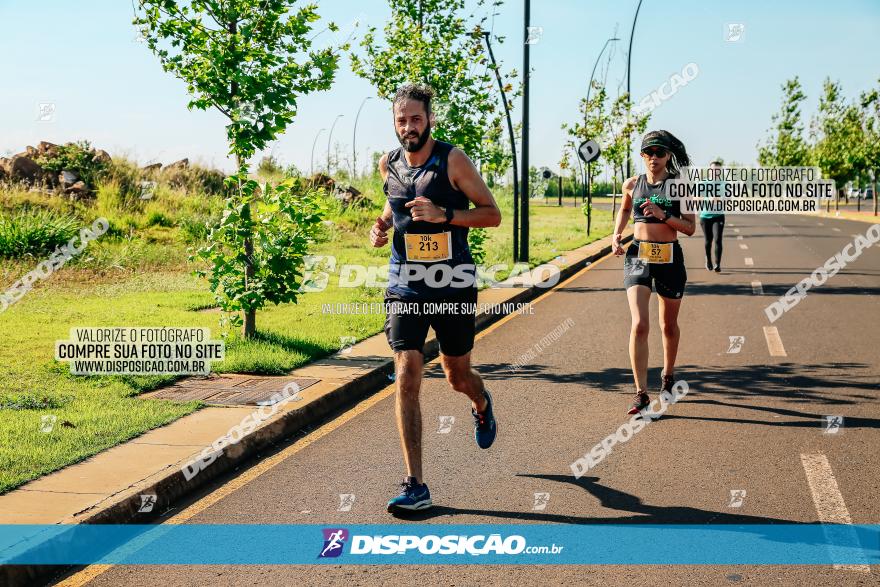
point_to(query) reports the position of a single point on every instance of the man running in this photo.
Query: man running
(429, 186)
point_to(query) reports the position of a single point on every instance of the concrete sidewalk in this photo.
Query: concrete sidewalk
(136, 480)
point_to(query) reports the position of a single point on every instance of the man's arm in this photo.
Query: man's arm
(464, 177)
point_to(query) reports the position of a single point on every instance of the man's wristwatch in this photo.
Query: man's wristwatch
(450, 212)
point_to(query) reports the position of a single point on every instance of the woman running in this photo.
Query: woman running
(654, 257)
(712, 224)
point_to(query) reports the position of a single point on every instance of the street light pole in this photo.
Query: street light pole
(524, 212)
(329, 138)
(589, 182)
(354, 138)
(312, 166)
(628, 93)
(512, 148)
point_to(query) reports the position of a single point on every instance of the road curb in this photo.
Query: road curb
(170, 484)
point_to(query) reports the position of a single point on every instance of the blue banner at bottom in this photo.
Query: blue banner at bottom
(554, 544)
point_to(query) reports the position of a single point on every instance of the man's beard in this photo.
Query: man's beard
(420, 142)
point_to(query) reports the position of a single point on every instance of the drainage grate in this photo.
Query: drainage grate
(228, 390)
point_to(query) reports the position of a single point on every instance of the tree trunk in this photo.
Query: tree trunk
(875, 193)
(859, 195)
(249, 326)
(613, 198)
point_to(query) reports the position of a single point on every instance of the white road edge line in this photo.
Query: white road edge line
(829, 503)
(774, 342)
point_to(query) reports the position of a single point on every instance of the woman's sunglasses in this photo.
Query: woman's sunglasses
(655, 152)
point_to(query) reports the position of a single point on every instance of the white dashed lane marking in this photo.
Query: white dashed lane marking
(830, 506)
(739, 237)
(774, 342)
(757, 288)
(743, 246)
(749, 261)
(835, 229)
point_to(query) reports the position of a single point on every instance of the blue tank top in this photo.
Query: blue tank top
(431, 180)
(644, 191)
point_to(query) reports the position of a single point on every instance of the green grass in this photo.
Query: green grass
(138, 275)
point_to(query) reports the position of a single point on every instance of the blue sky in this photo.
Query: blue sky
(108, 88)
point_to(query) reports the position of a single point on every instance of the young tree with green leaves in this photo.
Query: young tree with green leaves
(837, 131)
(621, 127)
(250, 60)
(870, 105)
(431, 42)
(786, 146)
(592, 124)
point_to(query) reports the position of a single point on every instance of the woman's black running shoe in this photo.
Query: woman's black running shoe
(640, 402)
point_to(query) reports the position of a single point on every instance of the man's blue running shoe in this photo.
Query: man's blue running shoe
(485, 426)
(413, 496)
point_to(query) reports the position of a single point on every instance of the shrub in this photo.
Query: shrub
(77, 157)
(195, 230)
(476, 239)
(35, 232)
(196, 179)
(159, 218)
(125, 184)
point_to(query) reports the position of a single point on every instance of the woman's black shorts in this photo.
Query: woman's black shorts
(669, 278)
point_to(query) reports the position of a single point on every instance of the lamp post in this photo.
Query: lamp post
(512, 148)
(524, 211)
(589, 182)
(354, 138)
(628, 93)
(329, 138)
(312, 165)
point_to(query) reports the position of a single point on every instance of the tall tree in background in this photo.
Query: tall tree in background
(430, 42)
(591, 124)
(838, 134)
(249, 60)
(623, 123)
(870, 105)
(786, 146)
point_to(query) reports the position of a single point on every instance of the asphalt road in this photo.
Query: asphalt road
(750, 422)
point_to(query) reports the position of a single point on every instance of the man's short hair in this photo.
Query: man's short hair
(420, 92)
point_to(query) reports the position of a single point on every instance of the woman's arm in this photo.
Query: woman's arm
(623, 215)
(685, 224)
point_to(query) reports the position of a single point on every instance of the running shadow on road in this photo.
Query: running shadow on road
(819, 383)
(538, 372)
(611, 499)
